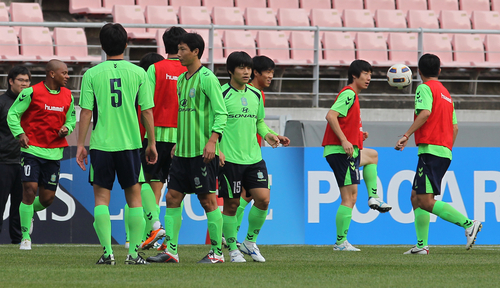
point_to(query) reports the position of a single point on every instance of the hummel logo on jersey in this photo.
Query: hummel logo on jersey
(352, 165)
(54, 108)
(203, 172)
(170, 77)
(347, 101)
(116, 65)
(22, 97)
(420, 171)
(445, 98)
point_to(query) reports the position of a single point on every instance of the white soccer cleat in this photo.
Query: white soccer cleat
(345, 246)
(25, 245)
(237, 256)
(251, 249)
(471, 233)
(416, 250)
(212, 258)
(379, 205)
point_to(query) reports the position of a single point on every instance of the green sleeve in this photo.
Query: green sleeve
(344, 102)
(212, 89)
(71, 117)
(423, 99)
(152, 78)
(86, 92)
(145, 96)
(16, 111)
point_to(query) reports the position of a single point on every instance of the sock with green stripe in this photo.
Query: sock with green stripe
(230, 232)
(240, 212)
(137, 224)
(370, 178)
(214, 222)
(26, 214)
(102, 226)
(37, 206)
(343, 220)
(446, 212)
(149, 204)
(256, 219)
(173, 221)
(422, 220)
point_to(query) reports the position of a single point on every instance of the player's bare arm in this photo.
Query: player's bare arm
(333, 121)
(209, 150)
(23, 140)
(422, 117)
(284, 140)
(81, 152)
(272, 139)
(148, 122)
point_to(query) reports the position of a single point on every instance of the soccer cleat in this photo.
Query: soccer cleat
(212, 258)
(164, 257)
(153, 236)
(163, 247)
(136, 261)
(345, 246)
(110, 260)
(237, 256)
(379, 205)
(25, 244)
(251, 249)
(416, 250)
(471, 233)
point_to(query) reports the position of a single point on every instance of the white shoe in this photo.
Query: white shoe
(237, 256)
(25, 244)
(378, 204)
(416, 250)
(345, 246)
(471, 233)
(251, 249)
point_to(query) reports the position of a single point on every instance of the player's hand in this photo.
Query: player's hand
(222, 159)
(81, 157)
(365, 135)
(401, 144)
(272, 139)
(348, 148)
(23, 140)
(172, 152)
(63, 132)
(209, 152)
(151, 154)
(284, 140)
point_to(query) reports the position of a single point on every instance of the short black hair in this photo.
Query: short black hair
(150, 59)
(355, 69)
(113, 38)
(429, 65)
(262, 63)
(193, 41)
(16, 71)
(171, 39)
(238, 59)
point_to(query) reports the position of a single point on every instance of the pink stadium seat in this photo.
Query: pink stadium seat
(302, 46)
(36, 43)
(495, 5)
(422, 19)
(4, 14)
(454, 20)
(243, 4)
(25, 12)
(277, 4)
(259, 17)
(440, 45)
(160, 15)
(315, 4)
(338, 49)
(179, 3)
(407, 5)
(217, 3)
(492, 47)
(145, 3)
(238, 40)
(110, 3)
(10, 45)
(468, 48)
(325, 18)
(390, 19)
(292, 17)
(372, 48)
(374, 5)
(474, 5)
(357, 18)
(403, 48)
(351, 4)
(218, 58)
(274, 45)
(227, 16)
(70, 44)
(485, 20)
(131, 14)
(438, 5)
(87, 7)
(194, 15)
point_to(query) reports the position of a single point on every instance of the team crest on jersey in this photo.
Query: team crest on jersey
(192, 93)
(53, 178)
(196, 181)
(260, 175)
(244, 101)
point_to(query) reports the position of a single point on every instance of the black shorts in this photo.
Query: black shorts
(126, 164)
(192, 175)
(430, 173)
(345, 168)
(44, 172)
(159, 170)
(232, 177)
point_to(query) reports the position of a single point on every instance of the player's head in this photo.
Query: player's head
(239, 66)
(263, 70)
(191, 46)
(429, 65)
(171, 39)
(150, 59)
(356, 69)
(19, 77)
(56, 71)
(113, 39)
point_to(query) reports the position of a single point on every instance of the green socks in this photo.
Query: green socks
(149, 204)
(446, 212)
(230, 232)
(256, 219)
(37, 206)
(343, 220)
(125, 218)
(173, 221)
(26, 214)
(422, 220)
(137, 224)
(240, 212)
(214, 221)
(102, 226)
(370, 177)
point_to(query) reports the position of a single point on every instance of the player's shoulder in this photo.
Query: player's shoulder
(207, 74)
(226, 89)
(254, 90)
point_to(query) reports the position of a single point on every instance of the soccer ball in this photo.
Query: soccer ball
(399, 76)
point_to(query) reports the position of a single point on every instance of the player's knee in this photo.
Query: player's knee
(262, 204)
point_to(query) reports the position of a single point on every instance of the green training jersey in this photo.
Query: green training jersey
(245, 109)
(201, 112)
(112, 90)
(424, 102)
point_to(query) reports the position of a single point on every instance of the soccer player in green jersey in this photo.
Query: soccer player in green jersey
(109, 93)
(201, 120)
(435, 127)
(242, 163)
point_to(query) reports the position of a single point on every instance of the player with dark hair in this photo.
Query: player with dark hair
(242, 163)
(435, 127)
(18, 78)
(41, 117)
(150, 59)
(201, 120)
(110, 91)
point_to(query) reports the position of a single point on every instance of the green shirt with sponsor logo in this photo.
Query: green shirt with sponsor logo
(201, 112)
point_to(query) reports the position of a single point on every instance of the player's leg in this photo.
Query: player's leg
(256, 219)
(369, 161)
(422, 220)
(245, 199)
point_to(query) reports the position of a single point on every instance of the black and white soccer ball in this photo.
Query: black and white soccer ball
(399, 76)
